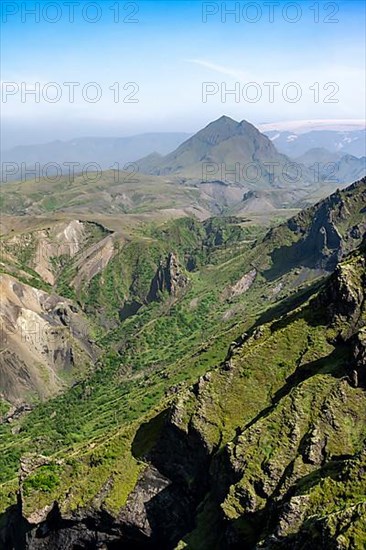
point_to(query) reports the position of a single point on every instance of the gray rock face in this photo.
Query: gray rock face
(359, 359)
(42, 335)
(323, 243)
(158, 512)
(169, 277)
(314, 448)
(316, 241)
(344, 299)
(135, 514)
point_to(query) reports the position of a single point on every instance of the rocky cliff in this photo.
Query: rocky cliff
(169, 277)
(262, 449)
(267, 451)
(45, 342)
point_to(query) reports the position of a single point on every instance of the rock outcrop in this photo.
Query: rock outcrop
(169, 278)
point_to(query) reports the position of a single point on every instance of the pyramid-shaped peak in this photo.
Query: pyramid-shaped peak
(225, 118)
(223, 121)
(225, 128)
(219, 130)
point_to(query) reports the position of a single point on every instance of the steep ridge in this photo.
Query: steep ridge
(318, 237)
(84, 261)
(111, 278)
(226, 462)
(283, 466)
(232, 465)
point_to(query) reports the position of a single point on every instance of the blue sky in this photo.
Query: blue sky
(170, 53)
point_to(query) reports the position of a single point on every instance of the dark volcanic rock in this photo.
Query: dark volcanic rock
(359, 358)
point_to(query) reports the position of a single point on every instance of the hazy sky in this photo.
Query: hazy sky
(171, 53)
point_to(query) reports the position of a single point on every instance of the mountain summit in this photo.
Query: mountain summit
(219, 130)
(225, 143)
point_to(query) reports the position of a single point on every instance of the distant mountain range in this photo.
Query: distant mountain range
(106, 152)
(295, 144)
(228, 166)
(223, 141)
(227, 155)
(333, 166)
